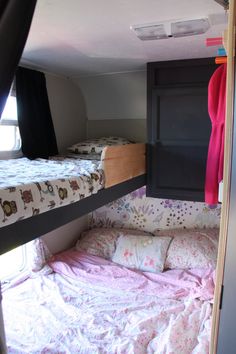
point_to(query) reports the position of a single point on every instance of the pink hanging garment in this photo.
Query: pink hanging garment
(216, 109)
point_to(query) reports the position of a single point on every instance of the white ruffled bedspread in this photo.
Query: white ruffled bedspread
(91, 305)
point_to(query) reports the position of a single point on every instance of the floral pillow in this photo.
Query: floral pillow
(101, 242)
(191, 248)
(96, 146)
(145, 253)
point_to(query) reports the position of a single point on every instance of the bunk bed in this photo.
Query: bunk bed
(64, 188)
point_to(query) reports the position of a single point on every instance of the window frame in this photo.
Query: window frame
(16, 153)
(19, 275)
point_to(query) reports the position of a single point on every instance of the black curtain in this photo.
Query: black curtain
(15, 20)
(34, 117)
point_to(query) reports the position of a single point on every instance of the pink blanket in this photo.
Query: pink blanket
(172, 284)
(94, 306)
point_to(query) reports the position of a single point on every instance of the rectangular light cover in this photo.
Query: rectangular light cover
(150, 32)
(189, 27)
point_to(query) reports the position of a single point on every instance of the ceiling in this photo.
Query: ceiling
(90, 37)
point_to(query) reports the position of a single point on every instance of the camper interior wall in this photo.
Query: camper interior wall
(116, 104)
(68, 110)
(2, 332)
(65, 237)
(69, 118)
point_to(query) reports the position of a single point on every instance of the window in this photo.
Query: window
(12, 265)
(10, 141)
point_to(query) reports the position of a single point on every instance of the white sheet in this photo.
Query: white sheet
(58, 314)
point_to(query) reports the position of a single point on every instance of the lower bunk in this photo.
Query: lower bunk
(105, 295)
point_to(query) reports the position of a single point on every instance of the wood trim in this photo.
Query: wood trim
(227, 174)
(123, 162)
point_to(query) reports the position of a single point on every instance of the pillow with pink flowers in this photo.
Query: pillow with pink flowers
(101, 242)
(191, 248)
(145, 253)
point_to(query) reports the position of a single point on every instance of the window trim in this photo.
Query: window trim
(15, 153)
(10, 154)
(22, 273)
(10, 122)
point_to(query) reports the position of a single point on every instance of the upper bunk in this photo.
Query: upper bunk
(38, 196)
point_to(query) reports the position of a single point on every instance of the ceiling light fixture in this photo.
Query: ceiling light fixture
(150, 32)
(175, 28)
(189, 27)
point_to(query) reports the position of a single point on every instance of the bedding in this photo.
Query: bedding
(191, 248)
(146, 253)
(37, 255)
(101, 241)
(29, 187)
(91, 305)
(96, 146)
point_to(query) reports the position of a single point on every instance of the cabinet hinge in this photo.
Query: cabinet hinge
(221, 296)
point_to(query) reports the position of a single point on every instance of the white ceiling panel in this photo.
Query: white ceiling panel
(91, 37)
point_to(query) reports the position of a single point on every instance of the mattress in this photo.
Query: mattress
(91, 305)
(30, 187)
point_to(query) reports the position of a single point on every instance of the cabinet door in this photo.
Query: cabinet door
(178, 129)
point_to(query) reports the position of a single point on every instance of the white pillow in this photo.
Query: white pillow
(145, 253)
(191, 248)
(38, 255)
(101, 242)
(96, 146)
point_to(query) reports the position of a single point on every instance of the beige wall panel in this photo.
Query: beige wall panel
(65, 237)
(134, 129)
(3, 349)
(68, 111)
(115, 96)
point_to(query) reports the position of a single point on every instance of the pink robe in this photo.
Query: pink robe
(216, 109)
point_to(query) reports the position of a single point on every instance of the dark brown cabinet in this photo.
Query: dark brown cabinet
(178, 128)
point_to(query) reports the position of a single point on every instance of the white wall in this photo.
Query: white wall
(2, 333)
(68, 110)
(69, 118)
(116, 104)
(65, 237)
(115, 96)
(133, 129)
